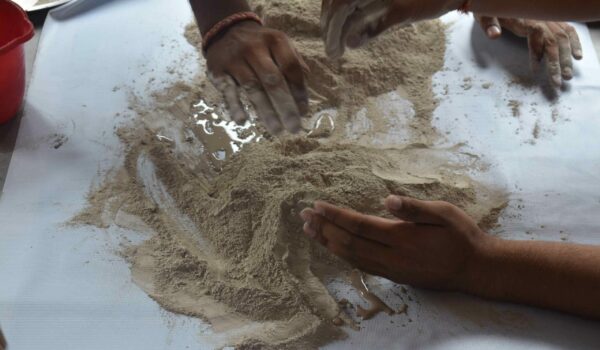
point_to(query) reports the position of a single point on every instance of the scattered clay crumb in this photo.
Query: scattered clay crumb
(486, 85)
(403, 309)
(244, 222)
(536, 130)
(555, 115)
(467, 83)
(515, 107)
(58, 140)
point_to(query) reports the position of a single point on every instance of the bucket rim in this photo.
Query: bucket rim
(28, 32)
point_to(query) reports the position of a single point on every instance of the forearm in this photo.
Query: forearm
(550, 10)
(209, 12)
(564, 277)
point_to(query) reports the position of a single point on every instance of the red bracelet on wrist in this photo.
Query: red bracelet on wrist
(466, 7)
(226, 23)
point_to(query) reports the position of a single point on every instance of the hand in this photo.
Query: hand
(558, 42)
(264, 64)
(432, 245)
(2, 341)
(354, 22)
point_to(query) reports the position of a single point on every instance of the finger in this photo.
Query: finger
(552, 54)
(290, 64)
(366, 226)
(275, 85)
(535, 41)
(491, 26)
(576, 48)
(427, 212)
(517, 26)
(226, 85)
(364, 24)
(257, 96)
(337, 15)
(311, 227)
(565, 53)
(361, 252)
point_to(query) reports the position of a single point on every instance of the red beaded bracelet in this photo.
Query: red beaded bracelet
(466, 7)
(226, 23)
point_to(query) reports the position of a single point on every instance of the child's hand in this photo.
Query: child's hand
(557, 42)
(353, 22)
(432, 244)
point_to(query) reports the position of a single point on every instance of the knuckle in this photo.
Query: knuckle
(277, 37)
(337, 250)
(561, 35)
(249, 51)
(291, 66)
(551, 41)
(537, 28)
(446, 209)
(361, 225)
(570, 29)
(250, 85)
(271, 80)
(409, 207)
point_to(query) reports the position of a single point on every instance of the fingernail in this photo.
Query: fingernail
(306, 215)
(319, 208)
(493, 31)
(309, 231)
(557, 80)
(567, 73)
(578, 54)
(394, 203)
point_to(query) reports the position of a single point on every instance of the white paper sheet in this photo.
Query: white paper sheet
(65, 288)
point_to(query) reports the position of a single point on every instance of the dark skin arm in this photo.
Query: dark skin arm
(436, 245)
(257, 61)
(209, 12)
(353, 22)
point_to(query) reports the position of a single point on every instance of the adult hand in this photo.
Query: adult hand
(264, 64)
(354, 22)
(557, 42)
(432, 245)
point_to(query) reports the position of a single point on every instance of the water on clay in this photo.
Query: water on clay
(376, 305)
(220, 137)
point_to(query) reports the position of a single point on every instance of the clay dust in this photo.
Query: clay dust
(222, 200)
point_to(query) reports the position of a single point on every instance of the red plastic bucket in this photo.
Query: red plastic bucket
(15, 30)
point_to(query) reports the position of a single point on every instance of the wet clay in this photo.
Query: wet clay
(376, 305)
(221, 201)
(229, 247)
(403, 60)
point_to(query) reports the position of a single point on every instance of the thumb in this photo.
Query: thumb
(491, 26)
(426, 212)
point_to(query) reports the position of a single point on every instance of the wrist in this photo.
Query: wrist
(222, 27)
(484, 267)
(210, 12)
